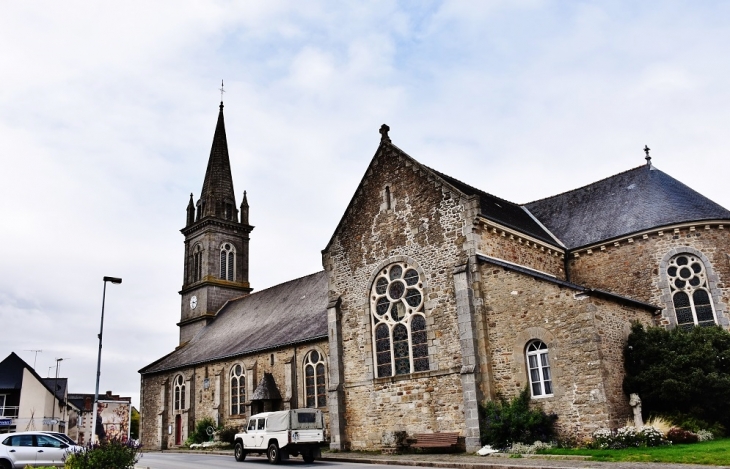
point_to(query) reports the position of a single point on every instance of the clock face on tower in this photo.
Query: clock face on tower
(193, 302)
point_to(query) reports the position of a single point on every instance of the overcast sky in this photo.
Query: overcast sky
(107, 112)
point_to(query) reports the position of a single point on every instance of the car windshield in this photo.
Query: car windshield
(62, 437)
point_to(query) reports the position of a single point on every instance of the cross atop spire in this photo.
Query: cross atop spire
(647, 157)
(222, 91)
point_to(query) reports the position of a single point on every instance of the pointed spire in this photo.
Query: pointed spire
(244, 210)
(191, 211)
(217, 197)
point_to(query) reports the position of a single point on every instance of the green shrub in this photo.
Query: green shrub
(683, 375)
(228, 434)
(112, 453)
(200, 435)
(505, 422)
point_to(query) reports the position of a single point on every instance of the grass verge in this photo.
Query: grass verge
(716, 453)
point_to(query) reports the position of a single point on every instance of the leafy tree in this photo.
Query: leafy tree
(681, 374)
(505, 422)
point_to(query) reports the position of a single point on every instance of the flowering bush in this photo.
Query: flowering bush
(627, 437)
(522, 448)
(112, 453)
(705, 435)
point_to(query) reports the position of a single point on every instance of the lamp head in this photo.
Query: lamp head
(113, 280)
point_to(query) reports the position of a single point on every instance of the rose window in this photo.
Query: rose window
(399, 324)
(690, 293)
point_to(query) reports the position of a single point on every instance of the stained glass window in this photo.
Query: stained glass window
(179, 392)
(238, 390)
(397, 307)
(690, 291)
(315, 387)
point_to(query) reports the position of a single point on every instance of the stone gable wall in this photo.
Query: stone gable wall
(214, 402)
(496, 243)
(425, 227)
(584, 336)
(633, 268)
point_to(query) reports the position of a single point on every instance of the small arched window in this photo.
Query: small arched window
(690, 293)
(538, 368)
(197, 263)
(399, 323)
(315, 388)
(228, 262)
(179, 392)
(238, 390)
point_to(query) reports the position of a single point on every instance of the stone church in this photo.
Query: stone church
(434, 297)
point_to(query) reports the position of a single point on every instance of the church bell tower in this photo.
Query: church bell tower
(216, 243)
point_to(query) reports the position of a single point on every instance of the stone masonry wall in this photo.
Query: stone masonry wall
(214, 402)
(584, 336)
(423, 225)
(633, 267)
(497, 243)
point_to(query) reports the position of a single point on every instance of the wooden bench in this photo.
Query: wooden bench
(436, 440)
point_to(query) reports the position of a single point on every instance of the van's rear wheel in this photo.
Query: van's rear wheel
(238, 452)
(273, 454)
(308, 456)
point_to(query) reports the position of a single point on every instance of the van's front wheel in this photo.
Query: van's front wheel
(238, 452)
(273, 454)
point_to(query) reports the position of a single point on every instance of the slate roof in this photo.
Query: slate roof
(60, 385)
(218, 182)
(292, 312)
(267, 389)
(11, 374)
(639, 199)
(502, 211)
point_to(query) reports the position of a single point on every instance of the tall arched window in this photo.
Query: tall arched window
(690, 293)
(238, 390)
(399, 323)
(315, 389)
(538, 367)
(197, 263)
(228, 262)
(179, 392)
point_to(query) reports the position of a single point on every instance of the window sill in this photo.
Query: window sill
(411, 376)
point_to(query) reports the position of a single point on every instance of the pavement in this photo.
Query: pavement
(472, 461)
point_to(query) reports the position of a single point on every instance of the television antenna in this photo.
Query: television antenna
(36, 355)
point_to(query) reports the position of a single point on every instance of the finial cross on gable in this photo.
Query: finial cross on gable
(384, 132)
(647, 157)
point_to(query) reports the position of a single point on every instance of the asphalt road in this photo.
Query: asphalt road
(214, 461)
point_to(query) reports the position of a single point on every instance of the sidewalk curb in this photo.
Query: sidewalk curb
(445, 464)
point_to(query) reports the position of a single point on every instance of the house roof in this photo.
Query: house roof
(289, 313)
(11, 374)
(59, 384)
(633, 201)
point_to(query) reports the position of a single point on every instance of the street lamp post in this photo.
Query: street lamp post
(55, 393)
(114, 280)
